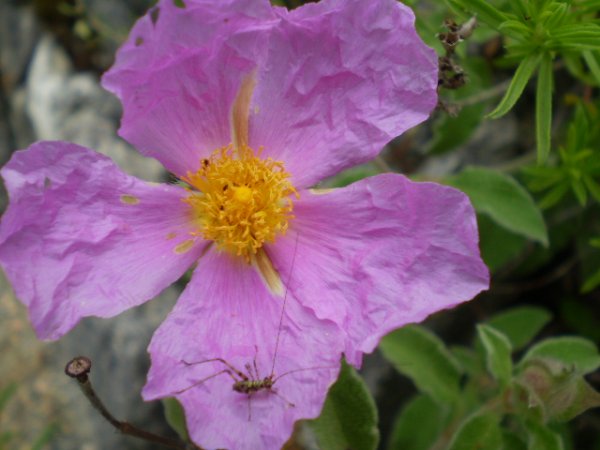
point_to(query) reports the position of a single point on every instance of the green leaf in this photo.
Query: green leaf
(543, 108)
(591, 59)
(592, 186)
(498, 353)
(45, 437)
(557, 17)
(517, 85)
(451, 132)
(542, 438)
(422, 414)
(6, 394)
(521, 324)
(498, 245)
(555, 195)
(516, 29)
(175, 417)
(352, 175)
(477, 433)
(591, 282)
(483, 10)
(521, 8)
(423, 357)
(570, 350)
(578, 189)
(580, 317)
(349, 417)
(504, 200)
(560, 392)
(470, 359)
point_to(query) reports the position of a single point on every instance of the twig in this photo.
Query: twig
(482, 96)
(550, 277)
(78, 368)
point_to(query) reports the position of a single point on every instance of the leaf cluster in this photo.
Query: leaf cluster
(536, 33)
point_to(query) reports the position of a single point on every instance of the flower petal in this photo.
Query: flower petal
(179, 73)
(227, 312)
(82, 238)
(340, 80)
(382, 253)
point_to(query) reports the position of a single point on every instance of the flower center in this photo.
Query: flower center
(240, 201)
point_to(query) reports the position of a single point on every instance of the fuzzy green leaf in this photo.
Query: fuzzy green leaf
(504, 200)
(478, 432)
(521, 324)
(498, 353)
(349, 416)
(543, 438)
(423, 357)
(570, 350)
(175, 417)
(422, 414)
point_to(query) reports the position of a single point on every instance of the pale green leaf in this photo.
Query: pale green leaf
(498, 353)
(423, 357)
(504, 200)
(349, 416)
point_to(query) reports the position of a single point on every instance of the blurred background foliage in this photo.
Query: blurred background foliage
(517, 129)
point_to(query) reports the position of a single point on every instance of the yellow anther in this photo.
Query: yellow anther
(239, 200)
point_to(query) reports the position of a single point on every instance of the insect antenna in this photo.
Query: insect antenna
(238, 372)
(283, 306)
(302, 370)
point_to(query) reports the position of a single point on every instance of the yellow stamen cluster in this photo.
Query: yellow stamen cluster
(239, 200)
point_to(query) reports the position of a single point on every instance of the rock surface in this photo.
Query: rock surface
(43, 97)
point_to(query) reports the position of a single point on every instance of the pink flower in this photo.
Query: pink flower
(250, 105)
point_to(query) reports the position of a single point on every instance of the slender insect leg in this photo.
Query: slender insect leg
(249, 407)
(289, 404)
(227, 371)
(254, 362)
(238, 372)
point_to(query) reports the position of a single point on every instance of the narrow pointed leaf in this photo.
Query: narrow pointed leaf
(543, 108)
(517, 85)
(484, 11)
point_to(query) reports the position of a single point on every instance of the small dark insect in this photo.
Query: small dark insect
(250, 382)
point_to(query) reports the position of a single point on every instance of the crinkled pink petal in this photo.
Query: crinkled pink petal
(341, 79)
(227, 312)
(382, 253)
(335, 81)
(179, 72)
(81, 238)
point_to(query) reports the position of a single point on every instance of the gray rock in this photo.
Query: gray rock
(19, 31)
(46, 397)
(64, 105)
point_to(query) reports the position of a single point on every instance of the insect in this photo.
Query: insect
(249, 382)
